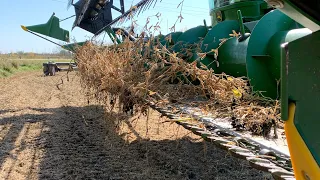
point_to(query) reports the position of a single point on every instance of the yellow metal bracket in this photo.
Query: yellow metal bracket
(304, 165)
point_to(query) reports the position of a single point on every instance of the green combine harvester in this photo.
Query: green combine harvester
(277, 49)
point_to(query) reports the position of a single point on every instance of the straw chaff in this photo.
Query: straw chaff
(133, 72)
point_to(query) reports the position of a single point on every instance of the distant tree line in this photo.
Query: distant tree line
(60, 54)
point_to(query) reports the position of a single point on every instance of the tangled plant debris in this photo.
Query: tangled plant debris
(128, 75)
(136, 72)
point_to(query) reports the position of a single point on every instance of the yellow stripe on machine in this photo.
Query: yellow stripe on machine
(24, 28)
(304, 165)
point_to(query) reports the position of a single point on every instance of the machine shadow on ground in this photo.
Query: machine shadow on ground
(82, 143)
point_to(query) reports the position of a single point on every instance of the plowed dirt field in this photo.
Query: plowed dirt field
(51, 133)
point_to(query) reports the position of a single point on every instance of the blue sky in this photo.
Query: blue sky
(31, 12)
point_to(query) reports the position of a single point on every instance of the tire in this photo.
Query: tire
(45, 70)
(52, 70)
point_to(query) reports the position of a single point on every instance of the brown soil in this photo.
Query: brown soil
(46, 133)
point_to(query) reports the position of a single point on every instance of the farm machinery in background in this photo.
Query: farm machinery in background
(50, 68)
(276, 45)
(94, 16)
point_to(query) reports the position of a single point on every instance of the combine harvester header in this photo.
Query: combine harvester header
(94, 16)
(274, 43)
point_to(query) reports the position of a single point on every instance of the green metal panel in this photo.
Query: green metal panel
(51, 29)
(217, 32)
(257, 55)
(232, 57)
(250, 25)
(187, 41)
(159, 38)
(173, 37)
(301, 84)
(274, 48)
(212, 40)
(72, 47)
(193, 35)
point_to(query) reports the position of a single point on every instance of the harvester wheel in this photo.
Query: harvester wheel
(52, 70)
(45, 70)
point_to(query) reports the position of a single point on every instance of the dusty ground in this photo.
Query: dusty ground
(46, 133)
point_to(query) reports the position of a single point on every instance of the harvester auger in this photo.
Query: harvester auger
(276, 45)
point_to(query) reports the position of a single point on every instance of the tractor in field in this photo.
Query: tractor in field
(50, 68)
(274, 43)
